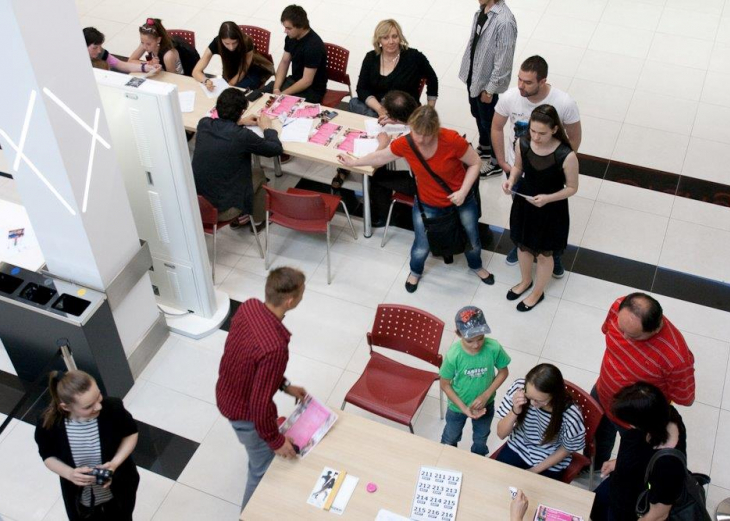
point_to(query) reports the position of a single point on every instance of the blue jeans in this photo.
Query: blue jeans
(605, 436)
(259, 456)
(484, 113)
(252, 80)
(359, 107)
(469, 215)
(510, 457)
(481, 428)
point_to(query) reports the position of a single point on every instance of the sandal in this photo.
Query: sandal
(339, 178)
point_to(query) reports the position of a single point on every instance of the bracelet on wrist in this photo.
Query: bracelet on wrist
(144, 67)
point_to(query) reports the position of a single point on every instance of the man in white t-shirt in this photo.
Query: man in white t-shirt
(515, 107)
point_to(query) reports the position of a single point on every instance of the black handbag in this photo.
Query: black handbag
(692, 504)
(445, 233)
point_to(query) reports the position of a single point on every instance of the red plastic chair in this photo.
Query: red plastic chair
(397, 197)
(188, 36)
(211, 225)
(388, 388)
(592, 415)
(337, 58)
(304, 211)
(261, 39)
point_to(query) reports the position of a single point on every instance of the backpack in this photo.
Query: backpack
(189, 57)
(692, 504)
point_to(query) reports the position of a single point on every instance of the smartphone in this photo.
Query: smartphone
(328, 114)
(254, 95)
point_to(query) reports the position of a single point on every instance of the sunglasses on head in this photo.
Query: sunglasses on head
(148, 27)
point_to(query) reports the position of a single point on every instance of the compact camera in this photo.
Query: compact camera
(102, 475)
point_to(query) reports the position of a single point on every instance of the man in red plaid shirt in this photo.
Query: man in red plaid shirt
(252, 370)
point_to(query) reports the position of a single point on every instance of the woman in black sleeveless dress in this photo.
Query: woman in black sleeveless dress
(545, 174)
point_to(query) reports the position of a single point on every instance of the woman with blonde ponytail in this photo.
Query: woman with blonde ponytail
(80, 433)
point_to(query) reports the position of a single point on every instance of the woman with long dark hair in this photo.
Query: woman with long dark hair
(655, 425)
(158, 46)
(243, 65)
(81, 433)
(544, 175)
(543, 424)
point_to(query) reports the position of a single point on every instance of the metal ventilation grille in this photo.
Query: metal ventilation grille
(140, 139)
(160, 224)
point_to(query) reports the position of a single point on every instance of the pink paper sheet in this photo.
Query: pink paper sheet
(324, 134)
(308, 111)
(282, 105)
(348, 143)
(307, 424)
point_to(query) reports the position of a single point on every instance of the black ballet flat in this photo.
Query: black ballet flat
(489, 280)
(511, 295)
(524, 307)
(411, 288)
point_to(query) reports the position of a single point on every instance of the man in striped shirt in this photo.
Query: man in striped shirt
(641, 345)
(252, 370)
(486, 69)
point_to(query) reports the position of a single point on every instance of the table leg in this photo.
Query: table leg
(367, 228)
(277, 167)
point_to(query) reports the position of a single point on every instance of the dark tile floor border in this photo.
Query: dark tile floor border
(157, 450)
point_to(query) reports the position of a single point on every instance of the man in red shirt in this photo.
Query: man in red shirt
(252, 370)
(641, 345)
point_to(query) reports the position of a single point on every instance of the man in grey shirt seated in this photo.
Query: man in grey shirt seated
(222, 158)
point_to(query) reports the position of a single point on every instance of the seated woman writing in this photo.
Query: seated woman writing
(543, 424)
(157, 47)
(243, 65)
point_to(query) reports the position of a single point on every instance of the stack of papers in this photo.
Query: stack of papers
(296, 130)
(187, 100)
(437, 495)
(544, 513)
(364, 146)
(374, 128)
(219, 85)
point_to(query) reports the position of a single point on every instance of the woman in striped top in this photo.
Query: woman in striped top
(543, 424)
(81, 431)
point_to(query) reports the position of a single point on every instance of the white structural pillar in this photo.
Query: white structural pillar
(57, 145)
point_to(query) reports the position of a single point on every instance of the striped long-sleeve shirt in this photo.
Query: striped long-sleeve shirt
(252, 369)
(83, 439)
(494, 54)
(663, 360)
(526, 439)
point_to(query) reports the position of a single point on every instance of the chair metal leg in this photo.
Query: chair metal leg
(387, 222)
(215, 249)
(256, 236)
(344, 402)
(277, 167)
(441, 403)
(329, 276)
(410, 426)
(347, 214)
(266, 255)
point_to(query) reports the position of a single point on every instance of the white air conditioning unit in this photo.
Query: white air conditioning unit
(148, 135)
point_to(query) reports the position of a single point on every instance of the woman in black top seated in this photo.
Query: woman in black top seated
(655, 424)
(392, 65)
(243, 65)
(157, 47)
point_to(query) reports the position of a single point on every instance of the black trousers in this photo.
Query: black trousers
(382, 184)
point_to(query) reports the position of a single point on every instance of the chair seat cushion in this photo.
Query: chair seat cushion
(403, 198)
(390, 389)
(332, 98)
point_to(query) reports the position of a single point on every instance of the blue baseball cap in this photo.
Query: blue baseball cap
(471, 323)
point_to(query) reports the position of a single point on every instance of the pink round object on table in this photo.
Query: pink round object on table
(371, 487)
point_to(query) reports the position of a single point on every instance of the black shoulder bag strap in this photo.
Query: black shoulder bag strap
(436, 178)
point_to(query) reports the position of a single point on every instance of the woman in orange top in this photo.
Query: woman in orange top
(446, 152)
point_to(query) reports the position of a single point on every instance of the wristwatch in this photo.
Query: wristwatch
(285, 383)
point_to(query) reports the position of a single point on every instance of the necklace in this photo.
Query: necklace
(393, 62)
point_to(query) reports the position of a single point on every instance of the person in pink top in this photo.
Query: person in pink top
(94, 41)
(641, 345)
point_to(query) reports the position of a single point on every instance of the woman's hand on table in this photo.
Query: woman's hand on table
(347, 160)
(209, 84)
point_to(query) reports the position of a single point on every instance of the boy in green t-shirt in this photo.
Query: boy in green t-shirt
(469, 381)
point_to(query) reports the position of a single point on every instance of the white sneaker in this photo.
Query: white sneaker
(489, 169)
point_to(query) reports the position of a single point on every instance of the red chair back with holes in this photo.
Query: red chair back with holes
(421, 86)
(337, 58)
(306, 213)
(592, 413)
(261, 38)
(408, 330)
(188, 36)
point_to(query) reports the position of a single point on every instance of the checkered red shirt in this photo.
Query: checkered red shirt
(252, 369)
(663, 360)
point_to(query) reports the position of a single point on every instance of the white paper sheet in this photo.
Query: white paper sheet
(387, 515)
(344, 494)
(437, 495)
(187, 100)
(256, 130)
(296, 130)
(373, 128)
(219, 85)
(364, 146)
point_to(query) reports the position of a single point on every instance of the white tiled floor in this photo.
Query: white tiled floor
(649, 78)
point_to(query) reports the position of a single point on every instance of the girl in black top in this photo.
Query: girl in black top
(544, 175)
(80, 424)
(243, 65)
(655, 424)
(154, 40)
